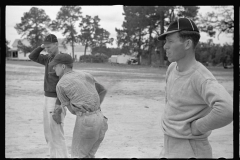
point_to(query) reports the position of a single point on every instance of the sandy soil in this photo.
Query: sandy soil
(133, 105)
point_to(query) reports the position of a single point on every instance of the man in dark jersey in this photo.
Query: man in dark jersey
(53, 131)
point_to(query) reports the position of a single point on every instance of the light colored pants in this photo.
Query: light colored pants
(185, 148)
(53, 132)
(89, 132)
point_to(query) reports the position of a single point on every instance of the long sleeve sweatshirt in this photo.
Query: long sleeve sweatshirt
(194, 95)
(50, 77)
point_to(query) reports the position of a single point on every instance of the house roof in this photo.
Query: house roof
(24, 41)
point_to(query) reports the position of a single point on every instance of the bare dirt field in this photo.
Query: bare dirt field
(133, 105)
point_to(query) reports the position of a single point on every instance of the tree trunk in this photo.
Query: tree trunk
(138, 57)
(150, 47)
(85, 49)
(139, 48)
(149, 56)
(73, 50)
(161, 56)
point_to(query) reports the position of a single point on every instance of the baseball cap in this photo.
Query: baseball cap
(181, 24)
(61, 58)
(51, 38)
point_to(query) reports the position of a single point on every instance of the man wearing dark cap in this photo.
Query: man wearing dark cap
(195, 103)
(82, 95)
(53, 130)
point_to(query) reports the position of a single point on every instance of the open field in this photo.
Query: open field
(133, 105)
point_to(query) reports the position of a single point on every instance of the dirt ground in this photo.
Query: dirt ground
(133, 105)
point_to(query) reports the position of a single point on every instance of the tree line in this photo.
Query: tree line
(140, 29)
(35, 24)
(143, 24)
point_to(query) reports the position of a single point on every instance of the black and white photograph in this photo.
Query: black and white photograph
(119, 81)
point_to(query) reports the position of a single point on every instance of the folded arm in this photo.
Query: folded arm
(65, 101)
(221, 102)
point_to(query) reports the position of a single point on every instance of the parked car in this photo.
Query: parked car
(133, 61)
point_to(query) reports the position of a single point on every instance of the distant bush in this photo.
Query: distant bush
(94, 58)
(214, 54)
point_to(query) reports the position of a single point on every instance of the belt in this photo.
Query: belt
(87, 113)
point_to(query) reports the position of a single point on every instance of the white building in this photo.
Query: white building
(16, 53)
(113, 59)
(78, 49)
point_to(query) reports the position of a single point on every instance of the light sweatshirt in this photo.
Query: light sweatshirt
(192, 95)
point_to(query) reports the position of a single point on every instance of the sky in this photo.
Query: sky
(110, 18)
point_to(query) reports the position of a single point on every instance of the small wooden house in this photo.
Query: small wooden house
(16, 53)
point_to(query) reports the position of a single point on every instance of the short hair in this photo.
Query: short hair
(194, 36)
(69, 65)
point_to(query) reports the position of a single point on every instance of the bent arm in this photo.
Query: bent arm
(70, 109)
(101, 91)
(65, 101)
(37, 57)
(221, 102)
